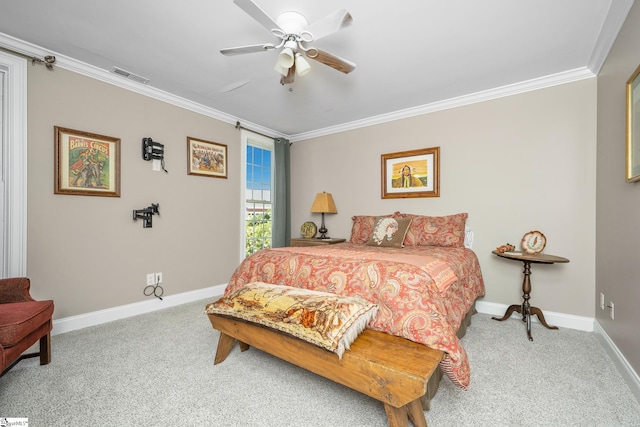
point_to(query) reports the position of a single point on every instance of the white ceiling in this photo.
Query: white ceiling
(411, 55)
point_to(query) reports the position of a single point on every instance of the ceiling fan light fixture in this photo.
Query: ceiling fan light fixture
(279, 69)
(295, 35)
(286, 58)
(302, 65)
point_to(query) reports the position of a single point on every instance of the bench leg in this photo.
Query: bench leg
(225, 344)
(399, 417)
(243, 346)
(416, 414)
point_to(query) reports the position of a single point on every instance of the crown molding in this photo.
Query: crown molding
(613, 23)
(474, 98)
(105, 76)
(611, 26)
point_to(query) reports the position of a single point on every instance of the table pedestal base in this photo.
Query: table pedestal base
(525, 308)
(526, 312)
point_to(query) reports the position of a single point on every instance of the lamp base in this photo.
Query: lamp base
(323, 230)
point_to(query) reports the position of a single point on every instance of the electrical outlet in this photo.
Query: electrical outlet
(151, 279)
(612, 310)
(601, 301)
(159, 278)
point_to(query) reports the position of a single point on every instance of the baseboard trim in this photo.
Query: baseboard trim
(72, 323)
(628, 373)
(561, 320)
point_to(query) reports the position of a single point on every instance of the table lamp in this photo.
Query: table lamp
(323, 204)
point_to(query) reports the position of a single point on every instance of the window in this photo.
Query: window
(13, 181)
(258, 204)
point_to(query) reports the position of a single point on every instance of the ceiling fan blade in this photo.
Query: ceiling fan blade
(333, 61)
(288, 79)
(240, 50)
(256, 12)
(330, 24)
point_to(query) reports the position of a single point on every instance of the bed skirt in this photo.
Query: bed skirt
(434, 381)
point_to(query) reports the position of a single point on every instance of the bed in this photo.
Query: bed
(422, 276)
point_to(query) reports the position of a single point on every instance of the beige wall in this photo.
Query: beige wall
(618, 202)
(87, 253)
(515, 164)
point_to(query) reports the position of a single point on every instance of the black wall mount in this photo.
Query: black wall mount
(152, 150)
(146, 214)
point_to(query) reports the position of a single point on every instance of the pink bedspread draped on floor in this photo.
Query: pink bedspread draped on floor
(423, 292)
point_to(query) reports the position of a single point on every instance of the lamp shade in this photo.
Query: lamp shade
(324, 204)
(302, 65)
(283, 71)
(286, 58)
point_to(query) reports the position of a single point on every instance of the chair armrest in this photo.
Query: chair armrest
(15, 289)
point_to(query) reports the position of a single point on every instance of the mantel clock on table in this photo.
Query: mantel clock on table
(533, 244)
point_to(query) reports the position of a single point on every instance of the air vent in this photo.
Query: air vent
(128, 75)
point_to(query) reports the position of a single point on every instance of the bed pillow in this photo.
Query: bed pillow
(362, 228)
(389, 232)
(324, 319)
(445, 231)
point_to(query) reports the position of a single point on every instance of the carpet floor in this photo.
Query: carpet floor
(157, 369)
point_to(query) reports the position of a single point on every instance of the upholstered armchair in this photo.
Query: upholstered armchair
(23, 321)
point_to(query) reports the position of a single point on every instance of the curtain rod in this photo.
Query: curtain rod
(48, 60)
(239, 126)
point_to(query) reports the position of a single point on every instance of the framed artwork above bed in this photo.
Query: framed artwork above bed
(414, 173)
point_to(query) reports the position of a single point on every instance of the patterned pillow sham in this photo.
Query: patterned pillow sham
(324, 319)
(362, 228)
(389, 232)
(445, 231)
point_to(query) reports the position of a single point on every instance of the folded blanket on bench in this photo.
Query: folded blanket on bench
(324, 319)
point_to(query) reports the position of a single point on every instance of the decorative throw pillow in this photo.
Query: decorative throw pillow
(389, 232)
(362, 228)
(446, 231)
(324, 319)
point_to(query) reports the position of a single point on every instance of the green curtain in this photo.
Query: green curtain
(281, 197)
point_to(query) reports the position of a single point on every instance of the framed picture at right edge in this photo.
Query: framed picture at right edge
(414, 173)
(633, 127)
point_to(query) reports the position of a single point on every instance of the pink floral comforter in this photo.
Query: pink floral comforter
(423, 292)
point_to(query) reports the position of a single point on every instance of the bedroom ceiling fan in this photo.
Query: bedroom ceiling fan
(295, 36)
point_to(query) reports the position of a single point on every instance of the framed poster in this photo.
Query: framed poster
(413, 173)
(206, 158)
(633, 126)
(86, 164)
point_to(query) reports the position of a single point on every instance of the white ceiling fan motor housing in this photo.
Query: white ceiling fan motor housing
(292, 22)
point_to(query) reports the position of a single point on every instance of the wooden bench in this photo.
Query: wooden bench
(390, 369)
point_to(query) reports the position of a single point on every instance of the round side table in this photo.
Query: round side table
(525, 308)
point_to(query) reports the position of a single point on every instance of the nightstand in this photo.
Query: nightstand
(315, 242)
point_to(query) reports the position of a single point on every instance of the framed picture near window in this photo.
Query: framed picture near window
(206, 158)
(633, 126)
(86, 164)
(413, 173)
